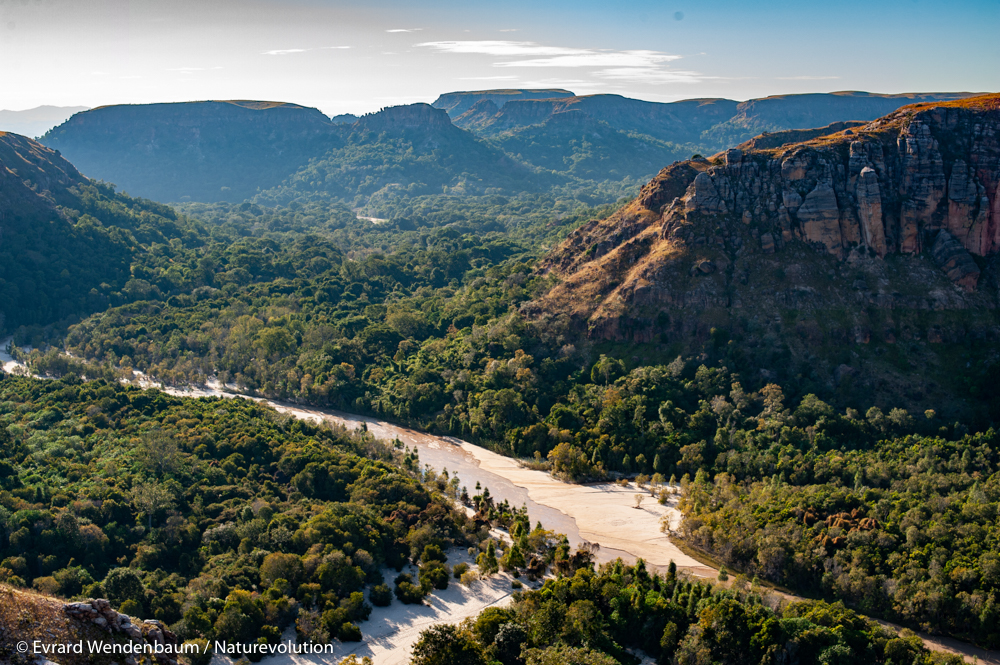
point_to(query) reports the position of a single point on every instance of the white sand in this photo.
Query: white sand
(8, 363)
(605, 513)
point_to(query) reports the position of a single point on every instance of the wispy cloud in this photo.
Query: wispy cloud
(634, 65)
(405, 30)
(487, 78)
(192, 69)
(649, 75)
(289, 51)
(806, 78)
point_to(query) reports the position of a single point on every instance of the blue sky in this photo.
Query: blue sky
(357, 57)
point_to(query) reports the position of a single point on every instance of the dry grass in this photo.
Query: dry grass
(28, 616)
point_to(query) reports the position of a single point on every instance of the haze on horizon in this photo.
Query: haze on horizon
(344, 56)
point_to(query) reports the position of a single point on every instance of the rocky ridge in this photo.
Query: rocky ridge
(100, 613)
(26, 616)
(882, 233)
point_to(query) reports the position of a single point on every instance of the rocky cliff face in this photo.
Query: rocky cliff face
(870, 234)
(457, 103)
(399, 118)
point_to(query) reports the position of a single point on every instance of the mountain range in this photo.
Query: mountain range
(494, 140)
(36, 121)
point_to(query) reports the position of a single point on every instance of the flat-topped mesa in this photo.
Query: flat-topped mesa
(458, 103)
(410, 116)
(889, 186)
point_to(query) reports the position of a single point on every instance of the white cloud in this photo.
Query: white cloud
(596, 59)
(289, 51)
(192, 69)
(487, 78)
(649, 75)
(641, 66)
(502, 48)
(405, 30)
(806, 78)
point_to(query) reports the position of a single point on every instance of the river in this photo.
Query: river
(603, 513)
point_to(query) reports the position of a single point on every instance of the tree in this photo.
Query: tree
(159, 453)
(123, 584)
(279, 565)
(487, 561)
(150, 498)
(446, 644)
(606, 369)
(638, 500)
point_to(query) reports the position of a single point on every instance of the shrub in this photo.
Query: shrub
(380, 595)
(407, 591)
(459, 570)
(433, 575)
(203, 656)
(349, 633)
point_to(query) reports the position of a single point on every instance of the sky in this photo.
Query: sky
(357, 57)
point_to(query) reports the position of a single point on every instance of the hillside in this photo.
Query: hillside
(402, 152)
(858, 260)
(205, 151)
(575, 144)
(66, 244)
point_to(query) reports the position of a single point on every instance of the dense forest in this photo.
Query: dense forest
(599, 618)
(221, 518)
(227, 520)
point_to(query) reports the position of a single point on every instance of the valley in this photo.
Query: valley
(540, 299)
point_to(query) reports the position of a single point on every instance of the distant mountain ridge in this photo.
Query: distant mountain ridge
(711, 123)
(36, 121)
(503, 141)
(457, 103)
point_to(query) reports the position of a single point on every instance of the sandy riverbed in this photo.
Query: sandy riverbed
(604, 514)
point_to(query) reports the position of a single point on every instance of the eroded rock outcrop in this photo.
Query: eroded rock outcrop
(889, 186)
(100, 613)
(863, 238)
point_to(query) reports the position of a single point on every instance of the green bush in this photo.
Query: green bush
(380, 595)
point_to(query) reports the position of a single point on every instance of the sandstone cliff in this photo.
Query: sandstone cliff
(873, 234)
(457, 103)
